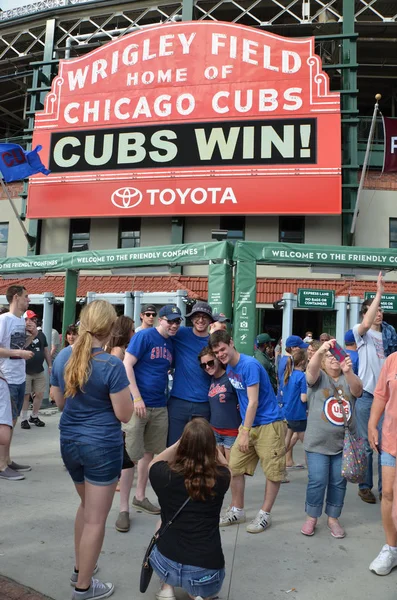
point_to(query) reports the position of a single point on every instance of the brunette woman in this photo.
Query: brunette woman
(72, 333)
(91, 388)
(189, 554)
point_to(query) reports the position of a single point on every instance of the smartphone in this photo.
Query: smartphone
(338, 352)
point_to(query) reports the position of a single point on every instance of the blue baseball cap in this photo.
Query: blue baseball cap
(349, 337)
(170, 312)
(294, 341)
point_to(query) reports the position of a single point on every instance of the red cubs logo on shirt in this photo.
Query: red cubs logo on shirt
(333, 412)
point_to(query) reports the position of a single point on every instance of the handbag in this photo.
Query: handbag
(147, 569)
(354, 456)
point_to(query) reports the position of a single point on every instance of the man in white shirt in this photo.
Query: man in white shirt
(13, 356)
(371, 356)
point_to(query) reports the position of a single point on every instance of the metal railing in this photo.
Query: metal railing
(36, 7)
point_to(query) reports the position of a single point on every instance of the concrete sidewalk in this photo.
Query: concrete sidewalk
(36, 538)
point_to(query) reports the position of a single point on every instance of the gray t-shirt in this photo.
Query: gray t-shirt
(371, 357)
(325, 428)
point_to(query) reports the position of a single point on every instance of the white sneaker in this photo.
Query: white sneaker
(384, 562)
(231, 517)
(261, 522)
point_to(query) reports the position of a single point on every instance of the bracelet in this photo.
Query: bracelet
(138, 399)
(244, 428)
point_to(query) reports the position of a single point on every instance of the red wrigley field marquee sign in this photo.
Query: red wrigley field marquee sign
(190, 118)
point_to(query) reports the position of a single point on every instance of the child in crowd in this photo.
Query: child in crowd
(295, 396)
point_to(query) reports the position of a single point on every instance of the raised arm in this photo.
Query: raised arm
(370, 315)
(314, 364)
(354, 382)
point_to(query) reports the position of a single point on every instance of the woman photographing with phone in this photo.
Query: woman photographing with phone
(189, 554)
(329, 381)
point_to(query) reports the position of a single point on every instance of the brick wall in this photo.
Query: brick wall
(376, 180)
(15, 188)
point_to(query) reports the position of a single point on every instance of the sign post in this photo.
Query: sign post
(308, 298)
(388, 302)
(190, 118)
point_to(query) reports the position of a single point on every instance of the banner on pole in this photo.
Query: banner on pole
(390, 155)
(191, 118)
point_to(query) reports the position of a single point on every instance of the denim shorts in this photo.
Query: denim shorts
(17, 394)
(95, 464)
(226, 441)
(196, 581)
(387, 460)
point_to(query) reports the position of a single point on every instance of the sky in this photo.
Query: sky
(8, 4)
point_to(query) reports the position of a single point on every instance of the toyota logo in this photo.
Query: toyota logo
(127, 197)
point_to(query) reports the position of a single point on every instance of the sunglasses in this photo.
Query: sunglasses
(210, 364)
(171, 321)
(148, 314)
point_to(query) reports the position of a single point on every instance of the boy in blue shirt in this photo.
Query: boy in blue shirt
(148, 358)
(261, 435)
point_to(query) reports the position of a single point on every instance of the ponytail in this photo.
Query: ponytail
(288, 369)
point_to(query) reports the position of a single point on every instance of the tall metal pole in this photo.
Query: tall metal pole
(365, 163)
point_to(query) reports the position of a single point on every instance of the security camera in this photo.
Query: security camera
(279, 304)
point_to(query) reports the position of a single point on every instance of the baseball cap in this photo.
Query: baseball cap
(170, 312)
(201, 307)
(349, 337)
(294, 341)
(29, 314)
(220, 317)
(148, 308)
(263, 338)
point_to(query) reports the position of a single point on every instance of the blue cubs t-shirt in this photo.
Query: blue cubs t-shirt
(223, 403)
(294, 409)
(281, 368)
(154, 353)
(88, 417)
(246, 373)
(190, 381)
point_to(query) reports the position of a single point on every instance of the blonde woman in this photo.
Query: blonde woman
(91, 388)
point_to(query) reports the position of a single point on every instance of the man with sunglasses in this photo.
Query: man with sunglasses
(148, 316)
(189, 395)
(147, 361)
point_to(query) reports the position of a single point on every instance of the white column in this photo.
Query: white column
(91, 296)
(288, 315)
(137, 308)
(48, 314)
(354, 314)
(129, 306)
(341, 318)
(180, 295)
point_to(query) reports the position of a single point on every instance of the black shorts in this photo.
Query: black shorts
(297, 426)
(127, 462)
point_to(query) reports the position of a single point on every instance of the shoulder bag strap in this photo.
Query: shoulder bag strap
(169, 523)
(337, 396)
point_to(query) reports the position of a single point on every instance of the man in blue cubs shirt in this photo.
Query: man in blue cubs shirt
(148, 358)
(189, 395)
(261, 435)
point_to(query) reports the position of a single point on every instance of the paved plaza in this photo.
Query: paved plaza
(36, 538)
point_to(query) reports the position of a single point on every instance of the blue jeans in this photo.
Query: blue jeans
(98, 465)
(181, 412)
(362, 412)
(196, 581)
(325, 474)
(17, 395)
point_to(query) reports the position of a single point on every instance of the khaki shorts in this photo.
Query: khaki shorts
(266, 443)
(35, 384)
(148, 434)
